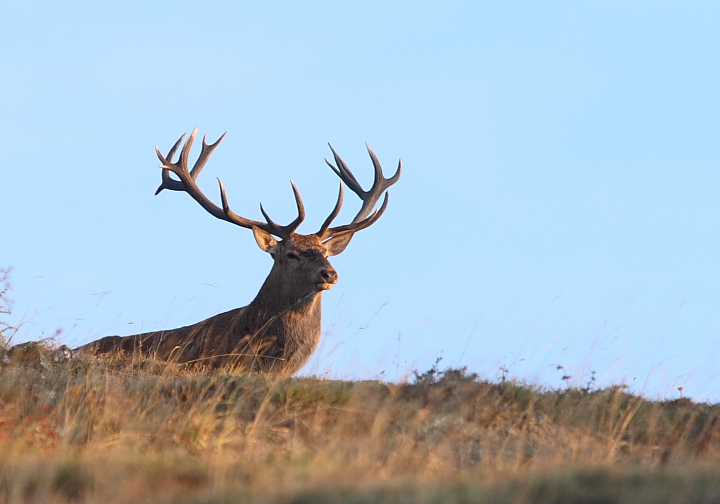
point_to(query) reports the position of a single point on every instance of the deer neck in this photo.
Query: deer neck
(278, 295)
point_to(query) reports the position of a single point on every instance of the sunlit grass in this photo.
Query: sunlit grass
(132, 430)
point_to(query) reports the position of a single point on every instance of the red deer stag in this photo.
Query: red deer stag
(280, 329)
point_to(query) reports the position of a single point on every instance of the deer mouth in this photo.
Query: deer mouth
(326, 279)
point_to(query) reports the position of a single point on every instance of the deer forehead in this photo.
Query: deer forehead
(304, 243)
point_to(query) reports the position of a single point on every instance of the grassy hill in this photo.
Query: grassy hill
(123, 431)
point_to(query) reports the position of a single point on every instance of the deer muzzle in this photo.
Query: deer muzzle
(328, 278)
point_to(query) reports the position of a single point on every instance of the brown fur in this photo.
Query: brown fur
(276, 333)
(280, 329)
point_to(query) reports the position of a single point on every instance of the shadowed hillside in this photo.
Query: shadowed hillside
(83, 430)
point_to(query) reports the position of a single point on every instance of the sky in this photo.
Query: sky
(557, 216)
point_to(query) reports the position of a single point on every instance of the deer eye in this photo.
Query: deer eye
(290, 255)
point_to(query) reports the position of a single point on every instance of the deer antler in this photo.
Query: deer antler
(369, 198)
(187, 183)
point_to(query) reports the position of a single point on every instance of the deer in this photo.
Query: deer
(277, 333)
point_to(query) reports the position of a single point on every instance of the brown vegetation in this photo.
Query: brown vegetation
(138, 430)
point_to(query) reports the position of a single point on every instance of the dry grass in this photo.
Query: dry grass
(142, 431)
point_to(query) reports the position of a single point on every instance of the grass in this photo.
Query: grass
(6, 330)
(137, 430)
(119, 431)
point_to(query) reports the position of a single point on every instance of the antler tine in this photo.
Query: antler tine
(171, 154)
(364, 217)
(185, 154)
(379, 186)
(379, 173)
(357, 226)
(333, 214)
(344, 173)
(286, 231)
(167, 182)
(207, 149)
(187, 183)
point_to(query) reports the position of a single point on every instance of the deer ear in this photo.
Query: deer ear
(337, 243)
(264, 239)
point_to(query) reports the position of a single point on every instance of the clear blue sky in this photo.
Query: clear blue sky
(559, 203)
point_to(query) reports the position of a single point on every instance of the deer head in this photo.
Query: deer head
(301, 267)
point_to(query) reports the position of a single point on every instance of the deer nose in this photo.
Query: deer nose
(329, 275)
